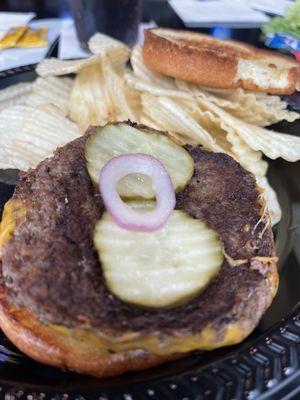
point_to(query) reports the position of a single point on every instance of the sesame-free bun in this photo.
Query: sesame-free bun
(208, 61)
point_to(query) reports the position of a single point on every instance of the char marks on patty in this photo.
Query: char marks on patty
(51, 267)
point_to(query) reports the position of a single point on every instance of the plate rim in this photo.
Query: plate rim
(217, 376)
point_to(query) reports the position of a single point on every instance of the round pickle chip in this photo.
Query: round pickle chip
(161, 268)
(114, 140)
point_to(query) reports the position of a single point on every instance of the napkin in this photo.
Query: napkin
(277, 7)
(209, 13)
(69, 45)
(16, 57)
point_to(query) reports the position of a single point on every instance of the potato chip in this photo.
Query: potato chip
(11, 123)
(178, 138)
(117, 52)
(115, 88)
(52, 90)
(227, 139)
(272, 144)
(247, 157)
(146, 74)
(197, 91)
(261, 109)
(14, 95)
(28, 135)
(55, 67)
(155, 89)
(134, 101)
(170, 116)
(100, 95)
(158, 118)
(12, 120)
(89, 101)
(145, 120)
(240, 95)
(212, 124)
(5, 162)
(101, 45)
(271, 200)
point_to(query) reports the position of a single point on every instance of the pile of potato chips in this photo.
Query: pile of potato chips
(36, 118)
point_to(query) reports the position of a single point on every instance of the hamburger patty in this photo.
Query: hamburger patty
(50, 266)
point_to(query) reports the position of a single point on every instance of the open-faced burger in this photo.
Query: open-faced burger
(81, 292)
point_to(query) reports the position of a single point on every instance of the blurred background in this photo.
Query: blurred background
(126, 19)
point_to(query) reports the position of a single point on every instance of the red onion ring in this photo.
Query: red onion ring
(125, 216)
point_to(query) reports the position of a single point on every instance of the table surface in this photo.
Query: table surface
(157, 10)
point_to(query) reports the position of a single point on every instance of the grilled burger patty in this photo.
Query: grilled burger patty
(50, 267)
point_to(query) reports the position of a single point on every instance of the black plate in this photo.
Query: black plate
(266, 365)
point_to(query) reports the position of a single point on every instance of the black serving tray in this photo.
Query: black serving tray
(264, 366)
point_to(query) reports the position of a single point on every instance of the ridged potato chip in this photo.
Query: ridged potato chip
(99, 96)
(133, 98)
(155, 89)
(272, 144)
(51, 90)
(213, 126)
(178, 138)
(260, 109)
(29, 135)
(14, 95)
(198, 91)
(145, 120)
(117, 52)
(187, 101)
(227, 139)
(90, 104)
(169, 115)
(116, 90)
(247, 157)
(100, 45)
(56, 67)
(12, 120)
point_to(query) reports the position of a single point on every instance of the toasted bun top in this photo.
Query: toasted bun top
(213, 62)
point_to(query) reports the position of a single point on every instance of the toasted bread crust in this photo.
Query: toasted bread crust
(214, 63)
(45, 345)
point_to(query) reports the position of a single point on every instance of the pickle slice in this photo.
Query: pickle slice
(116, 139)
(161, 268)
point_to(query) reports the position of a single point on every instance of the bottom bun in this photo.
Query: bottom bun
(46, 345)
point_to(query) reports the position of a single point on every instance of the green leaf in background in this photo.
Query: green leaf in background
(290, 23)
